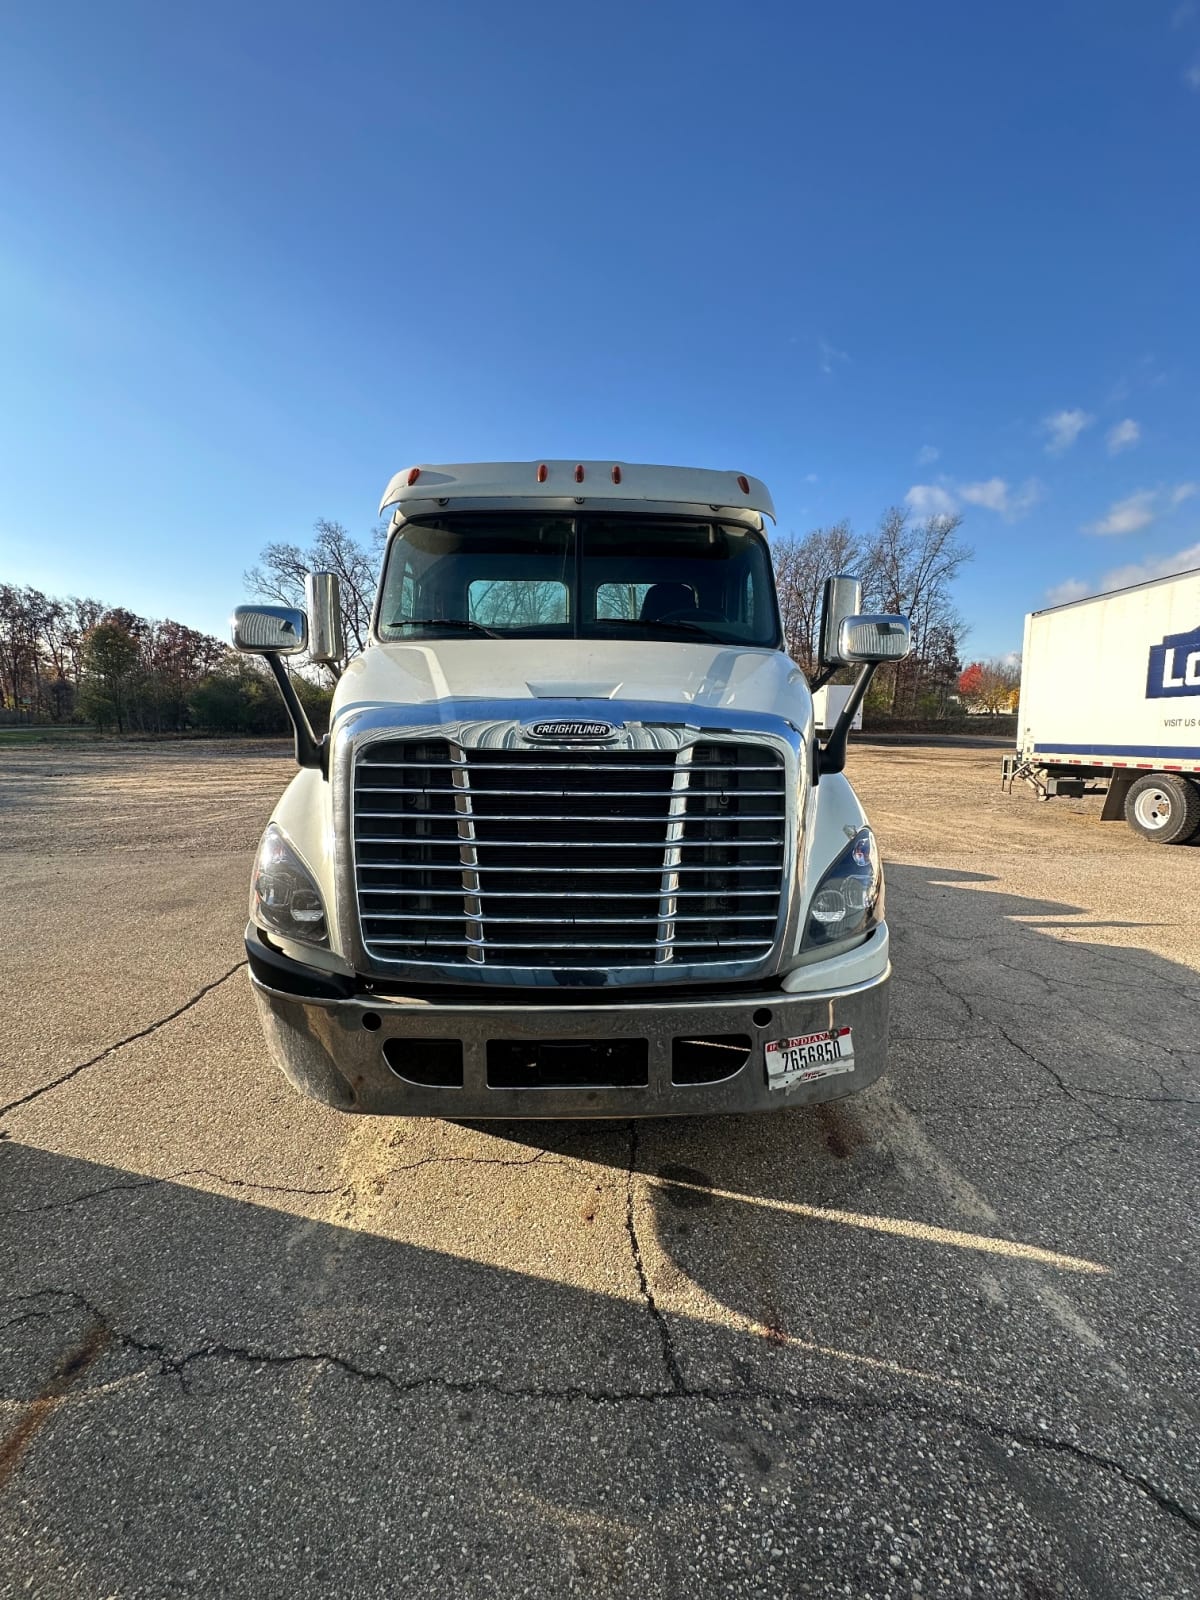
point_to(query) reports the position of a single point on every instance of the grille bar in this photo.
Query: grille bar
(598, 894)
(681, 863)
(542, 944)
(536, 816)
(452, 866)
(562, 792)
(574, 766)
(565, 922)
(574, 844)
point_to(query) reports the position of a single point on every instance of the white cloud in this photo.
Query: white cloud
(1141, 508)
(830, 355)
(1192, 76)
(944, 498)
(1183, 13)
(931, 500)
(1152, 567)
(1128, 515)
(1125, 577)
(1069, 589)
(811, 477)
(1123, 435)
(927, 455)
(992, 494)
(1063, 428)
(995, 494)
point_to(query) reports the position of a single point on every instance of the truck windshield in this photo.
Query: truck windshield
(547, 576)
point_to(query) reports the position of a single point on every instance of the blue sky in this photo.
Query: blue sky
(254, 258)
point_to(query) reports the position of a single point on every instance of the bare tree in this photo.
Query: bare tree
(910, 569)
(282, 568)
(801, 568)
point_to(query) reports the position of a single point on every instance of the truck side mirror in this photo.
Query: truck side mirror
(324, 598)
(842, 599)
(873, 639)
(274, 631)
(850, 639)
(269, 630)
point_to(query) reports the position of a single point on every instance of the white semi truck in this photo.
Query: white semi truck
(572, 846)
(1110, 699)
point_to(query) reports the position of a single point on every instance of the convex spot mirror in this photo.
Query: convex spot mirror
(269, 630)
(866, 639)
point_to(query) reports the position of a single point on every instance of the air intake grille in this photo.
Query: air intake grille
(569, 858)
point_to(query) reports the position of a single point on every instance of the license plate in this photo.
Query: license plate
(812, 1056)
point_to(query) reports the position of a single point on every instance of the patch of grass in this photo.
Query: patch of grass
(49, 734)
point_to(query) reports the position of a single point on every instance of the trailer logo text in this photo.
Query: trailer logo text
(1174, 666)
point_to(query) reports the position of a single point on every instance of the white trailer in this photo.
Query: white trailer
(1110, 699)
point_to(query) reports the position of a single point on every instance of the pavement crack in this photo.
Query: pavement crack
(49, 1303)
(112, 1049)
(478, 1161)
(1140, 1099)
(166, 1177)
(670, 1358)
(1067, 1090)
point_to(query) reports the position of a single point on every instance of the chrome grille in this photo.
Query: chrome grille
(513, 858)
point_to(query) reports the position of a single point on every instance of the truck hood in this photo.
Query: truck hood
(456, 674)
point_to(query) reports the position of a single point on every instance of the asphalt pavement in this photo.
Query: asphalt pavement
(938, 1339)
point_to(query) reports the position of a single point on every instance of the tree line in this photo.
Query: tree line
(64, 660)
(80, 661)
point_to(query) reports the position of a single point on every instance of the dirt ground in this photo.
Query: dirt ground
(940, 1339)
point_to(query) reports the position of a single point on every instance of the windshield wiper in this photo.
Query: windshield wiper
(444, 622)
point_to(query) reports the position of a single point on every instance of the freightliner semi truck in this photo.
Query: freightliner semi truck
(572, 846)
(1110, 702)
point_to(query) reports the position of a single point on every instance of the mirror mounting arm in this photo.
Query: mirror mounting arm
(310, 751)
(831, 756)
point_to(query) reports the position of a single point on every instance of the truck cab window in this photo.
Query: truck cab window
(589, 576)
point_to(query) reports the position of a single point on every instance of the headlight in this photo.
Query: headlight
(849, 899)
(283, 897)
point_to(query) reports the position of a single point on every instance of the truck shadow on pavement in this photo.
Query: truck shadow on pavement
(205, 1394)
(929, 1323)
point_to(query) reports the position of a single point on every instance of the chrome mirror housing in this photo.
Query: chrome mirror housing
(327, 642)
(873, 639)
(269, 630)
(842, 598)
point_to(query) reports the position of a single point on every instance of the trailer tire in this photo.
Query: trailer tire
(1163, 808)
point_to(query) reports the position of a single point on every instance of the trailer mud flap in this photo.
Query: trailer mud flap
(1114, 800)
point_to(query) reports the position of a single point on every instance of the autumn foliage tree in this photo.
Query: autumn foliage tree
(991, 686)
(970, 682)
(41, 652)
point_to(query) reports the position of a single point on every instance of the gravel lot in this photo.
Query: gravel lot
(938, 1340)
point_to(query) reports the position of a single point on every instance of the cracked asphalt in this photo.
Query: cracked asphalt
(938, 1339)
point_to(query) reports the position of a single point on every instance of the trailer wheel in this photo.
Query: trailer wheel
(1163, 808)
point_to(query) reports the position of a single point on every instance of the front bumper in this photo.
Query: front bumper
(364, 1053)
